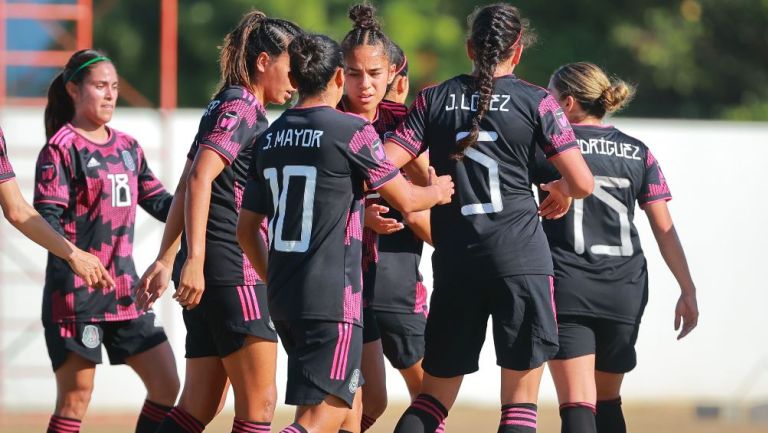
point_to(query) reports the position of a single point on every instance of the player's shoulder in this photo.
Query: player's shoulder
(535, 93)
(230, 95)
(392, 108)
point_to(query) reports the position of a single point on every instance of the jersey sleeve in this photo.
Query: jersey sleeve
(365, 153)
(555, 134)
(256, 196)
(654, 187)
(411, 133)
(6, 171)
(53, 176)
(153, 197)
(235, 122)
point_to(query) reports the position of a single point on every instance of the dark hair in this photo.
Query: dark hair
(254, 35)
(365, 31)
(591, 88)
(494, 32)
(60, 108)
(397, 57)
(314, 60)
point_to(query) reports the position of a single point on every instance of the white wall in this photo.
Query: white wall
(715, 171)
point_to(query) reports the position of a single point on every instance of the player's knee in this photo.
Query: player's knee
(74, 403)
(164, 391)
(375, 404)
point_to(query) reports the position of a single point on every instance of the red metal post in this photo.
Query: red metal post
(168, 53)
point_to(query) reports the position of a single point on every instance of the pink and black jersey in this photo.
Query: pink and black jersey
(391, 277)
(88, 192)
(230, 126)
(307, 178)
(492, 226)
(599, 265)
(6, 171)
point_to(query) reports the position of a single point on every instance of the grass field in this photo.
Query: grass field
(677, 418)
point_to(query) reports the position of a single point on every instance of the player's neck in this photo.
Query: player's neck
(320, 99)
(96, 132)
(587, 120)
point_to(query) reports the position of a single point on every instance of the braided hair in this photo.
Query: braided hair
(255, 34)
(495, 31)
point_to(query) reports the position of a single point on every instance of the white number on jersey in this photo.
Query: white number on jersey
(601, 183)
(279, 198)
(494, 184)
(121, 190)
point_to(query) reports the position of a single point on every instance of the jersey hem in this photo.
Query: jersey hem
(593, 315)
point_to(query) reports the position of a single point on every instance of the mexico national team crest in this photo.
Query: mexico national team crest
(128, 160)
(354, 382)
(90, 337)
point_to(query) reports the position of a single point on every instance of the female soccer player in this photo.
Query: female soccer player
(308, 180)
(89, 180)
(491, 256)
(26, 220)
(601, 281)
(394, 319)
(229, 332)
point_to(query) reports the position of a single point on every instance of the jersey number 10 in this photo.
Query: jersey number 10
(279, 201)
(601, 183)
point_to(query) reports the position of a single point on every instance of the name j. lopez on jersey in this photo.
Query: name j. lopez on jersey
(601, 146)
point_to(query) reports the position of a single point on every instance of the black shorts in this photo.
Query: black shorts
(323, 359)
(226, 316)
(402, 337)
(370, 326)
(524, 325)
(122, 339)
(612, 342)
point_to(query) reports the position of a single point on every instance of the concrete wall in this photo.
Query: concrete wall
(717, 176)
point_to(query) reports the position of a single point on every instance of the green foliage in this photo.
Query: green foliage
(690, 58)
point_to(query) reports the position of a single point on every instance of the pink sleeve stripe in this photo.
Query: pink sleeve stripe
(227, 158)
(157, 190)
(51, 200)
(663, 199)
(7, 179)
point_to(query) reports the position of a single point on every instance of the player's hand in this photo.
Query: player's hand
(557, 203)
(191, 284)
(379, 224)
(687, 314)
(89, 268)
(444, 184)
(153, 284)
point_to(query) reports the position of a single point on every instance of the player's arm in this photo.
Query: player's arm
(378, 223)
(576, 182)
(207, 165)
(156, 278)
(249, 237)
(687, 310)
(419, 223)
(407, 197)
(32, 225)
(153, 197)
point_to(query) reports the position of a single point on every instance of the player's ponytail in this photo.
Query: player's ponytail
(255, 34)
(495, 31)
(60, 108)
(314, 61)
(366, 30)
(597, 94)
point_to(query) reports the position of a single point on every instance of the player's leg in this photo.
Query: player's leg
(246, 341)
(573, 371)
(452, 349)
(615, 357)
(374, 392)
(353, 421)
(323, 373)
(205, 382)
(525, 336)
(74, 349)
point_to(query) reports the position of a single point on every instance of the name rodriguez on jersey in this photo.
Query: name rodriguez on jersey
(601, 146)
(293, 138)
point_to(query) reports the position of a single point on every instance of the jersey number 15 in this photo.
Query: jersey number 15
(601, 183)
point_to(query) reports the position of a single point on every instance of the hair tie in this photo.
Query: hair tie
(405, 63)
(85, 65)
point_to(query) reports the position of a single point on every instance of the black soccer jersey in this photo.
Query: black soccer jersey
(600, 269)
(229, 127)
(491, 227)
(308, 177)
(91, 190)
(6, 171)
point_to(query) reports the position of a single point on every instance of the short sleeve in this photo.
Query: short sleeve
(6, 171)
(53, 176)
(256, 197)
(654, 187)
(411, 133)
(149, 184)
(555, 135)
(233, 125)
(365, 153)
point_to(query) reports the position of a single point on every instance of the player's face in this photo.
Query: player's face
(367, 75)
(95, 98)
(277, 86)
